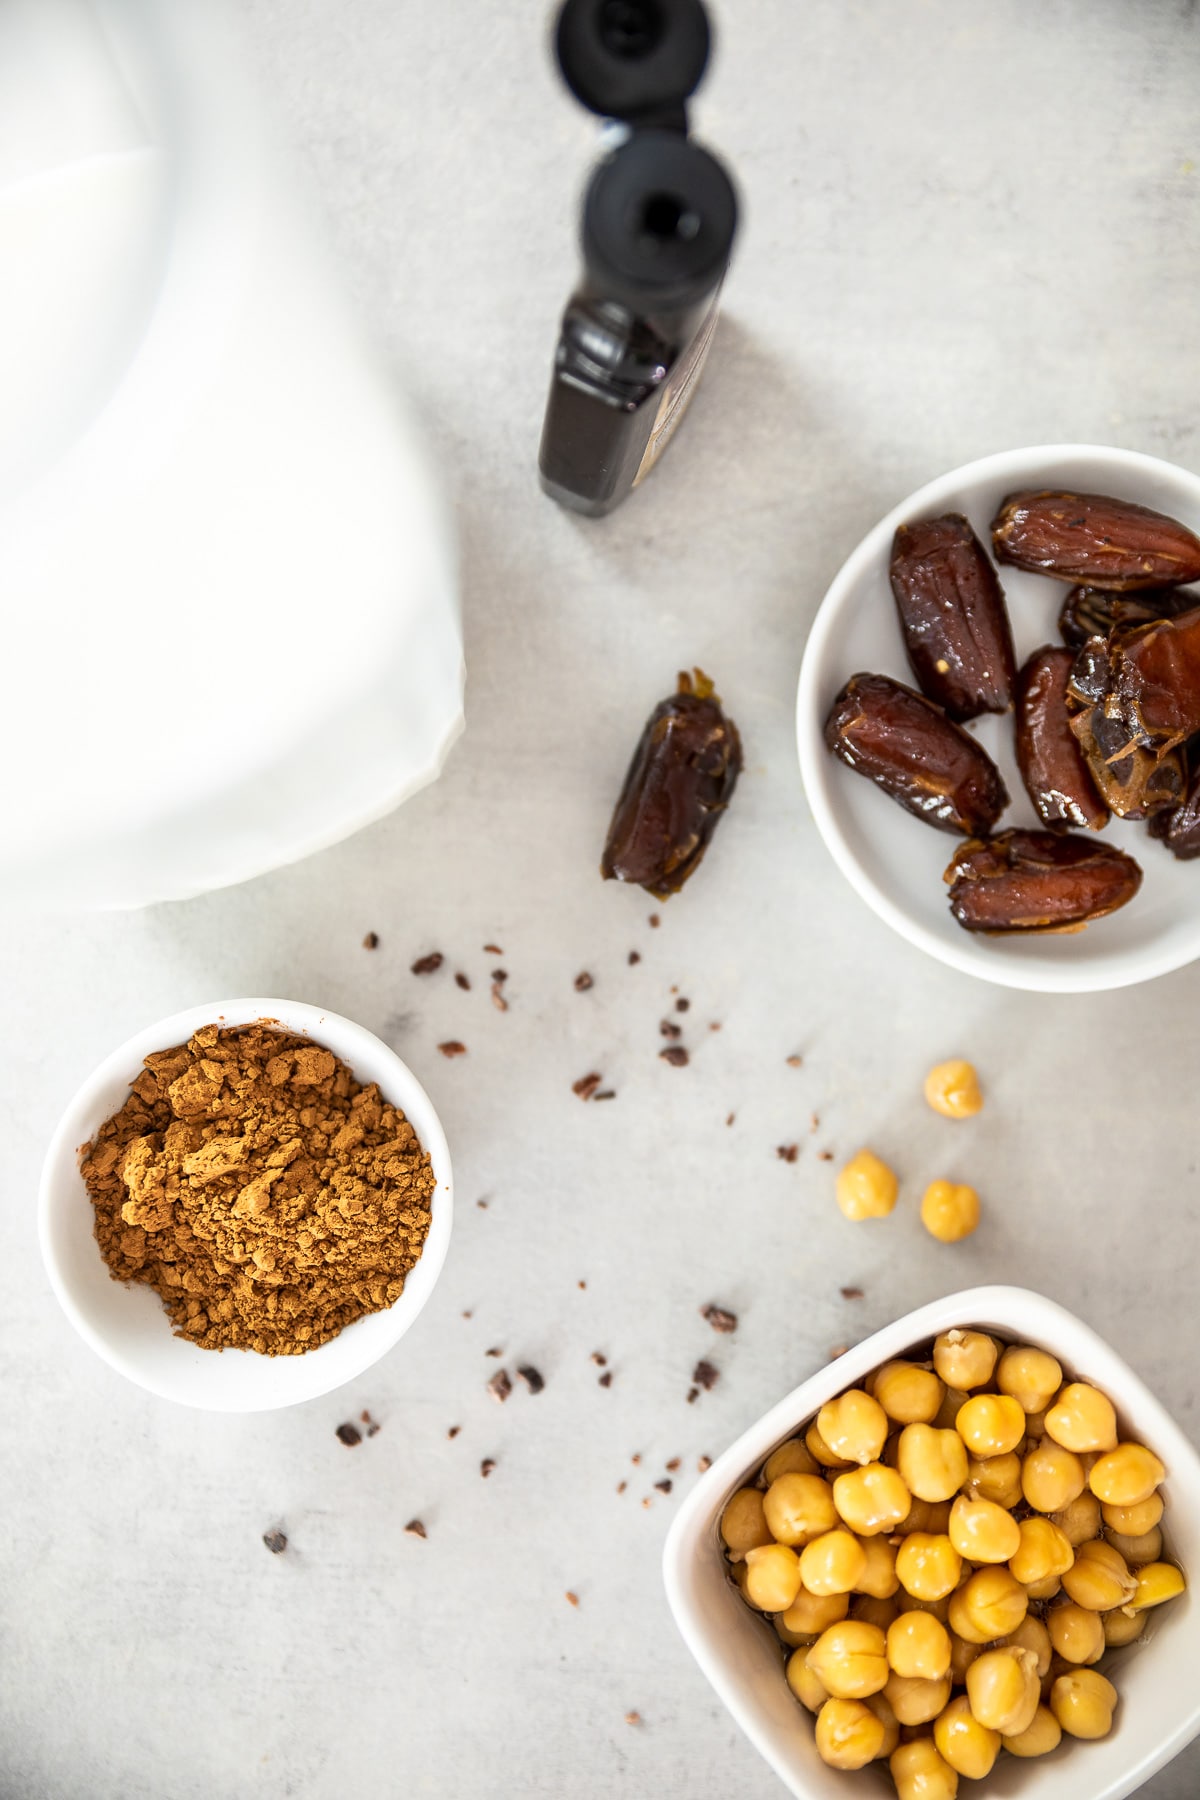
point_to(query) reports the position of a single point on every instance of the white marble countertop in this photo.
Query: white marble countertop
(966, 228)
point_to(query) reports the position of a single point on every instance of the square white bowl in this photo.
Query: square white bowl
(1157, 1680)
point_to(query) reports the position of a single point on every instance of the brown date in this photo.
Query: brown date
(1038, 881)
(909, 748)
(1052, 764)
(1095, 612)
(1154, 681)
(1094, 539)
(680, 781)
(1179, 829)
(953, 617)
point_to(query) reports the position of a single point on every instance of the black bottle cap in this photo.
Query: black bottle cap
(658, 222)
(627, 59)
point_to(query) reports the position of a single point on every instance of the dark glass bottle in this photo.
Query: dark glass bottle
(658, 226)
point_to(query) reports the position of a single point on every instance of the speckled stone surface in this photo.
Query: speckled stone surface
(967, 228)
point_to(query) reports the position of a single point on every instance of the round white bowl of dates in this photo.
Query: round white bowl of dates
(1012, 660)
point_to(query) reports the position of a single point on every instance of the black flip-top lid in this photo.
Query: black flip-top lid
(631, 59)
(658, 222)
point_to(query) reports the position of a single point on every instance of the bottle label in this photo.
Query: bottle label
(678, 390)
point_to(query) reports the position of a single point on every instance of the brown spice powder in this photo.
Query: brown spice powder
(267, 1197)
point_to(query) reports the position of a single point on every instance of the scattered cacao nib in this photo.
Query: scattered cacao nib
(498, 1000)
(664, 1486)
(500, 975)
(586, 1086)
(676, 1055)
(814, 1123)
(570, 1598)
(838, 1350)
(500, 1387)
(605, 1380)
(276, 1542)
(673, 1464)
(452, 1047)
(669, 1029)
(634, 957)
(467, 1315)
(599, 1358)
(349, 1435)
(371, 941)
(787, 1152)
(582, 1284)
(704, 1463)
(824, 1155)
(730, 1117)
(654, 921)
(795, 1062)
(605, 1094)
(426, 965)
(454, 1431)
(461, 980)
(852, 1293)
(416, 1529)
(621, 1486)
(636, 1458)
(482, 1205)
(719, 1318)
(492, 950)
(583, 982)
(715, 1025)
(486, 1466)
(693, 1395)
(647, 1501)
(679, 784)
(633, 1718)
(705, 1375)
(682, 1005)
(494, 1351)
(532, 1379)
(373, 1426)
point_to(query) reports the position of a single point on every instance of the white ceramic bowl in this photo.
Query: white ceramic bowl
(894, 860)
(125, 1322)
(738, 1650)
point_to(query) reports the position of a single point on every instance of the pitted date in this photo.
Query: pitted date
(1134, 783)
(1095, 612)
(1094, 539)
(1051, 761)
(1153, 684)
(953, 617)
(1180, 829)
(1038, 881)
(680, 781)
(909, 748)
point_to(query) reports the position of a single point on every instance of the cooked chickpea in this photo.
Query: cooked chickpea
(1042, 1552)
(916, 1702)
(1003, 1688)
(1083, 1703)
(995, 1478)
(879, 1575)
(1051, 1477)
(962, 1655)
(1045, 1590)
(881, 1707)
(1035, 1428)
(832, 1563)
(1076, 1633)
(872, 1499)
(743, 1523)
(738, 1572)
(772, 1577)
(1126, 1475)
(804, 1682)
(952, 1089)
(1082, 1418)
(990, 1604)
(809, 1614)
(866, 1187)
(850, 1660)
(965, 1359)
(1099, 1578)
(990, 1425)
(795, 1640)
(854, 1426)
(983, 1532)
(792, 1458)
(1079, 1520)
(925, 1515)
(927, 1566)
(798, 1508)
(969, 1747)
(908, 1393)
(921, 1773)
(949, 1211)
(1031, 1634)
(932, 1462)
(1157, 1582)
(820, 1451)
(1121, 1628)
(918, 1645)
(1038, 1739)
(953, 1401)
(873, 1611)
(849, 1735)
(1032, 1377)
(1145, 1548)
(1134, 1520)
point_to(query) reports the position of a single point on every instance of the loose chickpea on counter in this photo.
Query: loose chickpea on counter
(945, 1553)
